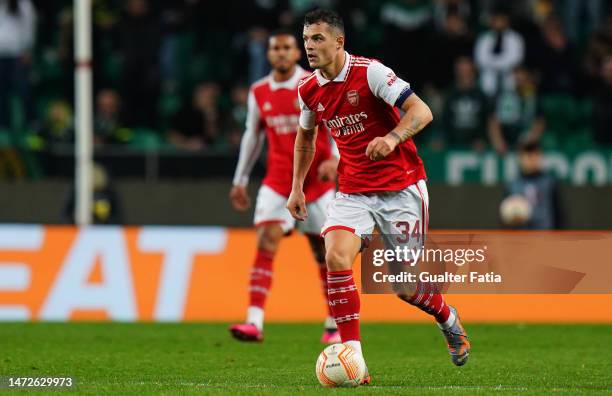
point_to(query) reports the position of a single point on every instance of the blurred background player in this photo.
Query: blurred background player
(381, 178)
(532, 200)
(273, 106)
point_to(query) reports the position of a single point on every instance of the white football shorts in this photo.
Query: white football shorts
(392, 212)
(271, 207)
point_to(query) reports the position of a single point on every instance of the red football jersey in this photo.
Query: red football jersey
(356, 107)
(274, 106)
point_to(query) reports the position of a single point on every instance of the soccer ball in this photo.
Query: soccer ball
(515, 210)
(340, 365)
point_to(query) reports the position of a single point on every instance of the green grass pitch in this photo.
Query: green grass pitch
(113, 358)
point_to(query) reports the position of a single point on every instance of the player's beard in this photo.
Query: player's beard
(283, 67)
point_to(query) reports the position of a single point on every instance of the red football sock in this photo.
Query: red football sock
(428, 299)
(344, 303)
(261, 278)
(323, 277)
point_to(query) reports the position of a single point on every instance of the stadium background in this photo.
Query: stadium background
(151, 57)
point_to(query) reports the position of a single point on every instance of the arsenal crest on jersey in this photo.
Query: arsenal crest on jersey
(353, 97)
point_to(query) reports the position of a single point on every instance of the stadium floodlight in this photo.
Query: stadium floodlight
(84, 112)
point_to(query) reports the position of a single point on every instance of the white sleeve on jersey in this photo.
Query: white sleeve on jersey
(251, 144)
(307, 116)
(384, 84)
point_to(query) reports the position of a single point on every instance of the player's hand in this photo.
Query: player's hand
(328, 169)
(380, 147)
(296, 204)
(240, 198)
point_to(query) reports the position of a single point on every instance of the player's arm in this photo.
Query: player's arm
(250, 150)
(385, 85)
(304, 152)
(416, 117)
(303, 155)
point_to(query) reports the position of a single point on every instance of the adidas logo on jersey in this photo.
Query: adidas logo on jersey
(320, 107)
(267, 106)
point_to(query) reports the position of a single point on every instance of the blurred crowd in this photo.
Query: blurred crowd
(177, 72)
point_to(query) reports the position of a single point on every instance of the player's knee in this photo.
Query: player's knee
(337, 260)
(267, 244)
(268, 240)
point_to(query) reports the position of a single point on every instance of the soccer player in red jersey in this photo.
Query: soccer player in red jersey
(273, 106)
(381, 178)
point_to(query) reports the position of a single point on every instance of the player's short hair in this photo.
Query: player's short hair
(282, 32)
(328, 16)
